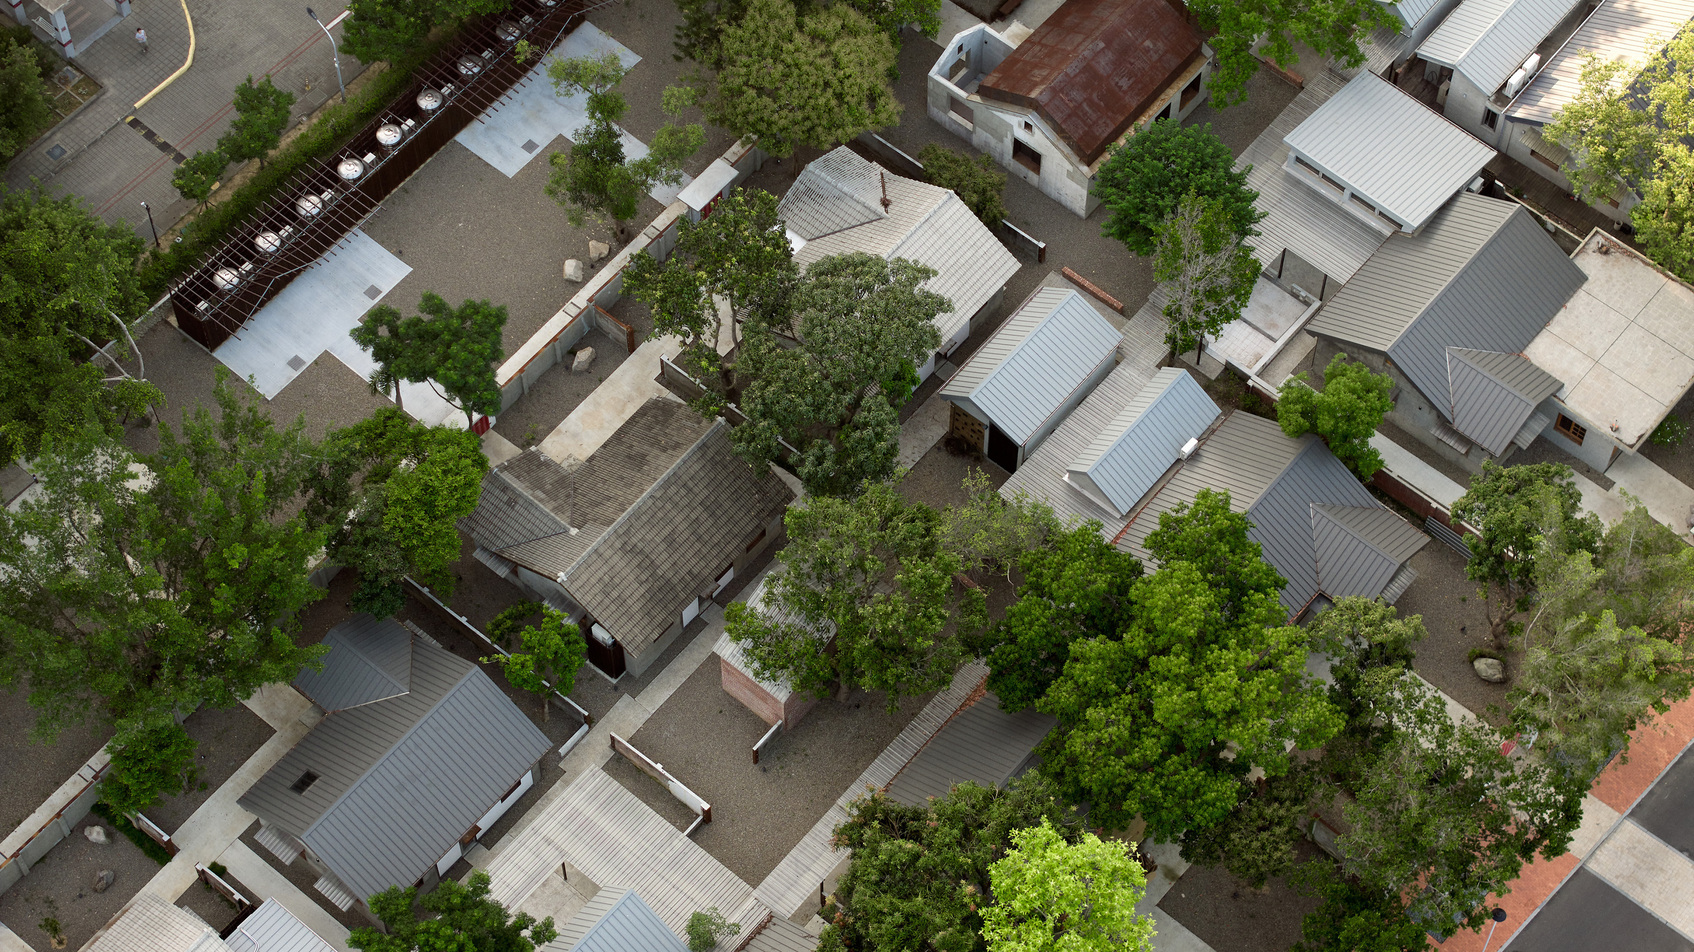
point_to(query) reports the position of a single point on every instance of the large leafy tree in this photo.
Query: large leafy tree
(390, 29)
(452, 917)
(1075, 587)
(1352, 917)
(1207, 270)
(392, 492)
(1334, 29)
(1148, 175)
(700, 35)
(1630, 128)
(24, 108)
(1512, 508)
(978, 182)
(815, 78)
(140, 587)
(869, 578)
(864, 325)
(1165, 721)
(595, 178)
(993, 531)
(454, 350)
(150, 761)
(261, 115)
(1051, 895)
(1346, 412)
(919, 878)
(547, 660)
(67, 285)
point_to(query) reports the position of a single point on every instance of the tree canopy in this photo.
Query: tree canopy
(868, 577)
(1051, 895)
(150, 761)
(1149, 174)
(1346, 412)
(67, 284)
(1207, 270)
(195, 178)
(261, 115)
(793, 78)
(390, 29)
(454, 350)
(978, 182)
(24, 107)
(457, 917)
(547, 659)
(1336, 30)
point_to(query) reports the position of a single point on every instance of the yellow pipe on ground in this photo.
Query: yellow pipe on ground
(181, 69)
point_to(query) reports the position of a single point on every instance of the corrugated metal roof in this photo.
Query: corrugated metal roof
(1361, 137)
(780, 935)
(400, 780)
(1619, 29)
(982, 743)
(1487, 40)
(1140, 444)
(154, 924)
(1035, 363)
(1378, 527)
(1282, 518)
(1347, 563)
(630, 925)
(1385, 45)
(573, 929)
(368, 660)
(272, 928)
(923, 223)
(1094, 66)
(1493, 395)
(1297, 218)
(1411, 12)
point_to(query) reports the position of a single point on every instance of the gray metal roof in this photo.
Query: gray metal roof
(1035, 363)
(400, 780)
(781, 935)
(1411, 12)
(1140, 444)
(272, 928)
(1487, 40)
(1297, 218)
(369, 660)
(982, 743)
(1619, 29)
(1494, 394)
(154, 924)
(1360, 549)
(616, 920)
(1361, 137)
(1483, 275)
(838, 199)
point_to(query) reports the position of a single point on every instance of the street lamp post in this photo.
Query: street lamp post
(1499, 916)
(332, 51)
(150, 226)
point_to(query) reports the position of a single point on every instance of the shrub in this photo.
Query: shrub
(705, 929)
(978, 182)
(1671, 432)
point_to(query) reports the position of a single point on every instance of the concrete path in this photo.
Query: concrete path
(614, 401)
(1403, 465)
(925, 428)
(252, 871)
(1668, 499)
(9, 941)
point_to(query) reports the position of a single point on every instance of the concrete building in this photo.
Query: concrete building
(633, 542)
(1050, 108)
(1483, 54)
(418, 753)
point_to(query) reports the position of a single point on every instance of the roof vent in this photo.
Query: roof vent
(1188, 448)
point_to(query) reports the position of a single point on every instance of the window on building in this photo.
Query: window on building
(1307, 167)
(1332, 183)
(1168, 111)
(1490, 118)
(1544, 160)
(1026, 156)
(1191, 90)
(1570, 429)
(1367, 206)
(961, 112)
(305, 782)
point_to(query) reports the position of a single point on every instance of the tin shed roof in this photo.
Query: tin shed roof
(1619, 29)
(1487, 40)
(272, 928)
(369, 660)
(617, 920)
(1094, 66)
(1130, 454)
(1494, 394)
(981, 743)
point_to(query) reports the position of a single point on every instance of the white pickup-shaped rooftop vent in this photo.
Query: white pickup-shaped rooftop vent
(1161, 425)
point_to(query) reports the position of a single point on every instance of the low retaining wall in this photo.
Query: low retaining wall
(52, 821)
(657, 771)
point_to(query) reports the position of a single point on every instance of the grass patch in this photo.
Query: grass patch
(1476, 653)
(121, 823)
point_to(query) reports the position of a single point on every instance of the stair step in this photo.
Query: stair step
(1397, 585)
(1439, 531)
(335, 892)
(281, 845)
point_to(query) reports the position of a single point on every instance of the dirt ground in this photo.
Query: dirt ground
(1676, 460)
(558, 392)
(227, 738)
(1454, 615)
(212, 907)
(34, 770)
(61, 886)
(1232, 917)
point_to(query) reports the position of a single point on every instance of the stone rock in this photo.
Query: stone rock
(95, 833)
(573, 269)
(584, 360)
(598, 250)
(1491, 670)
(104, 879)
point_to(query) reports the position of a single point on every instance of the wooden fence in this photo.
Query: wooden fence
(222, 887)
(154, 832)
(657, 771)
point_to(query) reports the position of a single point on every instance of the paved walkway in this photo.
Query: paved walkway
(611, 403)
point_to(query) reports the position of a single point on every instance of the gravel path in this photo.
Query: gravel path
(1457, 621)
(33, 771)
(61, 885)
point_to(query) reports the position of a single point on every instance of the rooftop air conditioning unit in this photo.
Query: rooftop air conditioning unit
(1189, 447)
(1441, 92)
(1532, 64)
(1515, 84)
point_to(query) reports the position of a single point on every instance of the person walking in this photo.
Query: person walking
(141, 37)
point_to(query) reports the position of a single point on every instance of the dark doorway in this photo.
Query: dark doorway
(1026, 156)
(1002, 449)
(607, 657)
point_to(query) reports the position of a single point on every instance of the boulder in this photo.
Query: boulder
(584, 360)
(1492, 670)
(104, 879)
(598, 250)
(95, 833)
(573, 269)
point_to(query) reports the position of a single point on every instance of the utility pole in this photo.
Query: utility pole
(332, 50)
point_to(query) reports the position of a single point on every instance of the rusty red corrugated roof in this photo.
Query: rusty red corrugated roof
(1094, 66)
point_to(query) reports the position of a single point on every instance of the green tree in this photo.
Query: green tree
(919, 875)
(1354, 918)
(978, 182)
(1258, 840)
(864, 325)
(991, 531)
(137, 587)
(1147, 176)
(1075, 587)
(195, 178)
(1345, 413)
(699, 37)
(458, 917)
(815, 79)
(1166, 721)
(455, 348)
(149, 763)
(261, 115)
(706, 929)
(1334, 30)
(869, 576)
(1208, 272)
(1051, 895)
(1628, 129)
(1511, 508)
(390, 29)
(893, 15)
(594, 179)
(67, 281)
(392, 492)
(548, 660)
(24, 107)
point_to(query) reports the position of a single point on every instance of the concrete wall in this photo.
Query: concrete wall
(52, 821)
(1464, 109)
(1597, 445)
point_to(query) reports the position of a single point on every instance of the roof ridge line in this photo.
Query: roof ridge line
(1470, 259)
(379, 669)
(1023, 304)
